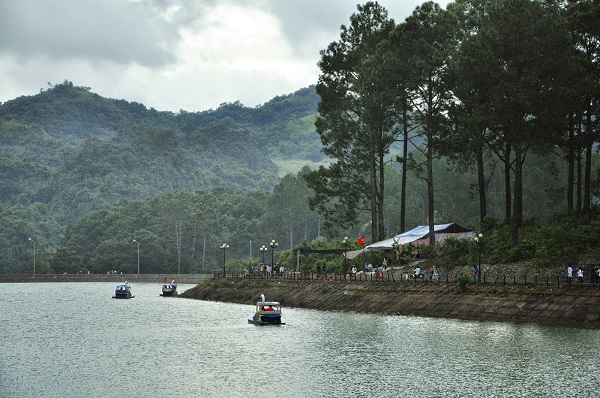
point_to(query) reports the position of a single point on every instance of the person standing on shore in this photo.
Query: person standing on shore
(580, 275)
(569, 274)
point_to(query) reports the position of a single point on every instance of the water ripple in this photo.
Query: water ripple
(70, 340)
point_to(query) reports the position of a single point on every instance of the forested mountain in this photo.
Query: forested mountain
(68, 151)
(72, 149)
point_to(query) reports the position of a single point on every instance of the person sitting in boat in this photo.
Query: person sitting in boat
(269, 308)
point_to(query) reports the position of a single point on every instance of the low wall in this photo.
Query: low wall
(576, 305)
(152, 278)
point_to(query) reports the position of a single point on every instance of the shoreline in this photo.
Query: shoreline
(572, 305)
(115, 278)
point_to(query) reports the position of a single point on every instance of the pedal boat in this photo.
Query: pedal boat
(266, 313)
(123, 291)
(169, 289)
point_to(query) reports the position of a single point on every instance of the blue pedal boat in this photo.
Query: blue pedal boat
(123, 291)
(169, 289)
(266, 313)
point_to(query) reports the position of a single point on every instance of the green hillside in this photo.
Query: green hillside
(68, 152)
(82, 176)
(69, 148)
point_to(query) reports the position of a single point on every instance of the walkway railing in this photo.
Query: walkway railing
(406, 277)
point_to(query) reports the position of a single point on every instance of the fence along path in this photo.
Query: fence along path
(396, 276)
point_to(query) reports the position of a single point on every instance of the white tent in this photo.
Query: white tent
(418, 236)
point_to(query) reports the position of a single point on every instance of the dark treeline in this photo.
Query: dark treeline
(182, 231)
(486, 84)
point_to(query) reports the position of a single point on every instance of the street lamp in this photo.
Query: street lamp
(138, 245)
(273, 245)
(479, 240)
(224, 247)
(263, 249)
(33, 255)
(345, 243)
(250, 249)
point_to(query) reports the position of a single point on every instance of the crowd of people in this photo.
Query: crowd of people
(594, 274)
(267, 270)
(417, 272)
(277, 270)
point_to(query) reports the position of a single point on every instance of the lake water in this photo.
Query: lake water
(74, 340)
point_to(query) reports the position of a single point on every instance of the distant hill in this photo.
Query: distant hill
(74, 151)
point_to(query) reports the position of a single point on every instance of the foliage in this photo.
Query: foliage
(457, 252)
(182, 231)
(462, 281)
(549, 243)
(353, 123)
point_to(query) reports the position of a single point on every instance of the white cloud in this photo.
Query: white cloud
(171, 54)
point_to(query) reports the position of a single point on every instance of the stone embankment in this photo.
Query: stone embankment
(116, 278)
(575, 305)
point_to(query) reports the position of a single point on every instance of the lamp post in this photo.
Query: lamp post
(250, 249)
(224, 247)
(479, 240)
(263, 249)
(33, 255)
(273, 245)
(138, 255)
(345, 243)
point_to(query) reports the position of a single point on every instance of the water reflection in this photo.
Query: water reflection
(57, 344)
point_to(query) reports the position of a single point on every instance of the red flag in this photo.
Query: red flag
(361, 240)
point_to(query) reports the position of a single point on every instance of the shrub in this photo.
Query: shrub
(462, 280)
(456, 252)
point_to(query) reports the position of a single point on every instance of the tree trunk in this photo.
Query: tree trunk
(578, 200)
(517, 220)
(380, 196)
(570, 164)
(589, 141)
(373, 190)
(178, 227)
(507, 190)
(481, 184)
(430, 201)
(193, 249)
(404, 170)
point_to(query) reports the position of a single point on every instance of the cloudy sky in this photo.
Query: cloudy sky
(172, 54)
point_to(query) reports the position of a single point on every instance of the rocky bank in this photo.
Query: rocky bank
(572, 305)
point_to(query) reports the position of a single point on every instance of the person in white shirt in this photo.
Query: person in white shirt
(417, 272)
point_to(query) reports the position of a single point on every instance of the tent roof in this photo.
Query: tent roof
(415, 234)
(442, 231)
